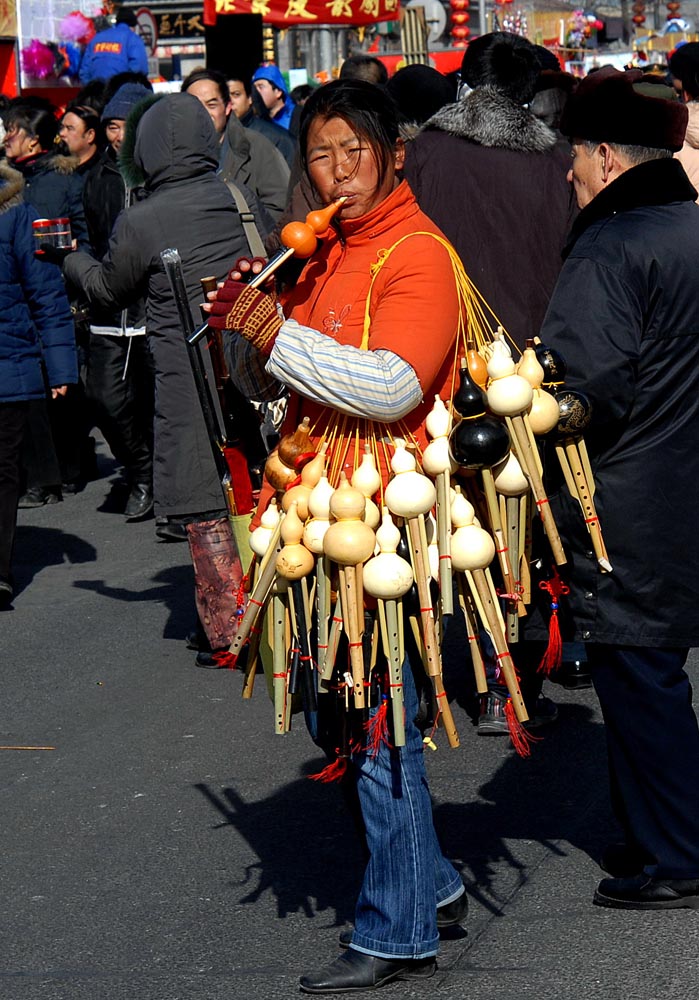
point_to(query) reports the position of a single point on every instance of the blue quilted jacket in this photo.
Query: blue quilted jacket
(35, 318)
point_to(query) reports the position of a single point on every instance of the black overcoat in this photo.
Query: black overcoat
(625, 316)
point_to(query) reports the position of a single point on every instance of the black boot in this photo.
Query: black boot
(355, 971)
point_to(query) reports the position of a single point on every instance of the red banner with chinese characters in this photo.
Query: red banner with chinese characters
(282, 13)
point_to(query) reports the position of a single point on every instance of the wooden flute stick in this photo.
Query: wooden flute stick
(525, 548)
(479, 584)
(472, 634)
(333, 643)
(531, 471)
(512, 523)
(501, 542)
(279, 664)
(444, 537)
(349, 615)
(584, 494)
(434, 666)
(256, 601)
(388, 618)
(323, 599)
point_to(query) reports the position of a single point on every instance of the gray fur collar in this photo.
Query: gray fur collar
(489, 118)
(11, 187)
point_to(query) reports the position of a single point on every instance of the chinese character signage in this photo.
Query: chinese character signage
(282, 13)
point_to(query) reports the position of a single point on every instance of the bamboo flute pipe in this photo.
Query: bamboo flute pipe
(390, 634)
(472, 634)
(478, 583)
(530, 469)
(349, 615)
(279, 663)
(442, 482)
(256, 601)
(333, 642)
(434, 666)
(501, 547)
(584, 495)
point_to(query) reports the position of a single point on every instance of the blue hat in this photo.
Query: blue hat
(273, 74)
(126, 98)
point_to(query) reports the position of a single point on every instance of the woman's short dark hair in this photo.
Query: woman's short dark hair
(507, 62)
(37, 119)
(368, 110)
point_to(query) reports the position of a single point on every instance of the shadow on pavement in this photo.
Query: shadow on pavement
(557, 794)
(38, 547)
(173, 587)
(309, 857)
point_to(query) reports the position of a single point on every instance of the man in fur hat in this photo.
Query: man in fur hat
(625, 317)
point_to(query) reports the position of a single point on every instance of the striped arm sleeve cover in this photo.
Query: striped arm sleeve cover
(246, 366)
(374, 384)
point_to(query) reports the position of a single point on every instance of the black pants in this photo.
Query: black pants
(653, 746)
(39, 460)
(122, 398)
(13, 417)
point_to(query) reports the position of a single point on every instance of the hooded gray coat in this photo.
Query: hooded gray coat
(492, 176)
(188, 208)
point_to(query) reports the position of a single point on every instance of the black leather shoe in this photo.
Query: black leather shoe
(170, 531)
(140, 502)
(39, 496)
(354, 971)
(6, 593)
(573, 675)
(453, 914)
(644, 893)
(623, 860)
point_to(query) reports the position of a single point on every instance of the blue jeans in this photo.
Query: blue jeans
(407, 876)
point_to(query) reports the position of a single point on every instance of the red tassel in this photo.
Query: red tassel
(334, 771)
(225, 659)
(521, 739)
(554, 651)
(377, 730)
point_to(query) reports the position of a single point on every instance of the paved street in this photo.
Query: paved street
(170, 846)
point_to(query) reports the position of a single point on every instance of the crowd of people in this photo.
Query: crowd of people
(596, 258)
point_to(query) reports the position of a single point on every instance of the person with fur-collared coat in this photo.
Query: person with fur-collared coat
(491, 175)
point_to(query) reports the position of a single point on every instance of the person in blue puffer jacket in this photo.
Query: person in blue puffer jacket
(115, 50)
(35, 324)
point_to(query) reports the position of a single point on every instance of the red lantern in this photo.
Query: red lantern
(460, 33)
(673, 7)
(460, 17)
(459, 4)
(638, 19)
(639, 8)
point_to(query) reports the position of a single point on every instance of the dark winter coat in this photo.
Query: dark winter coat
(54, 187)
(250, 160)
(280, 137)
(105, 196)
(625, 317)
(35, 319)
(493, 178)
(188, 208)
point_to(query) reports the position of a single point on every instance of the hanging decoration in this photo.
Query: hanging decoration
(459, 23)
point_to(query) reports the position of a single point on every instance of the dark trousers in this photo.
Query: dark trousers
(120, 387)
(653, 747)
(39, 460)
(13, 417)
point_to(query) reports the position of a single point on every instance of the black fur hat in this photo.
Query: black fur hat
(506, 62)
(607, 107)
